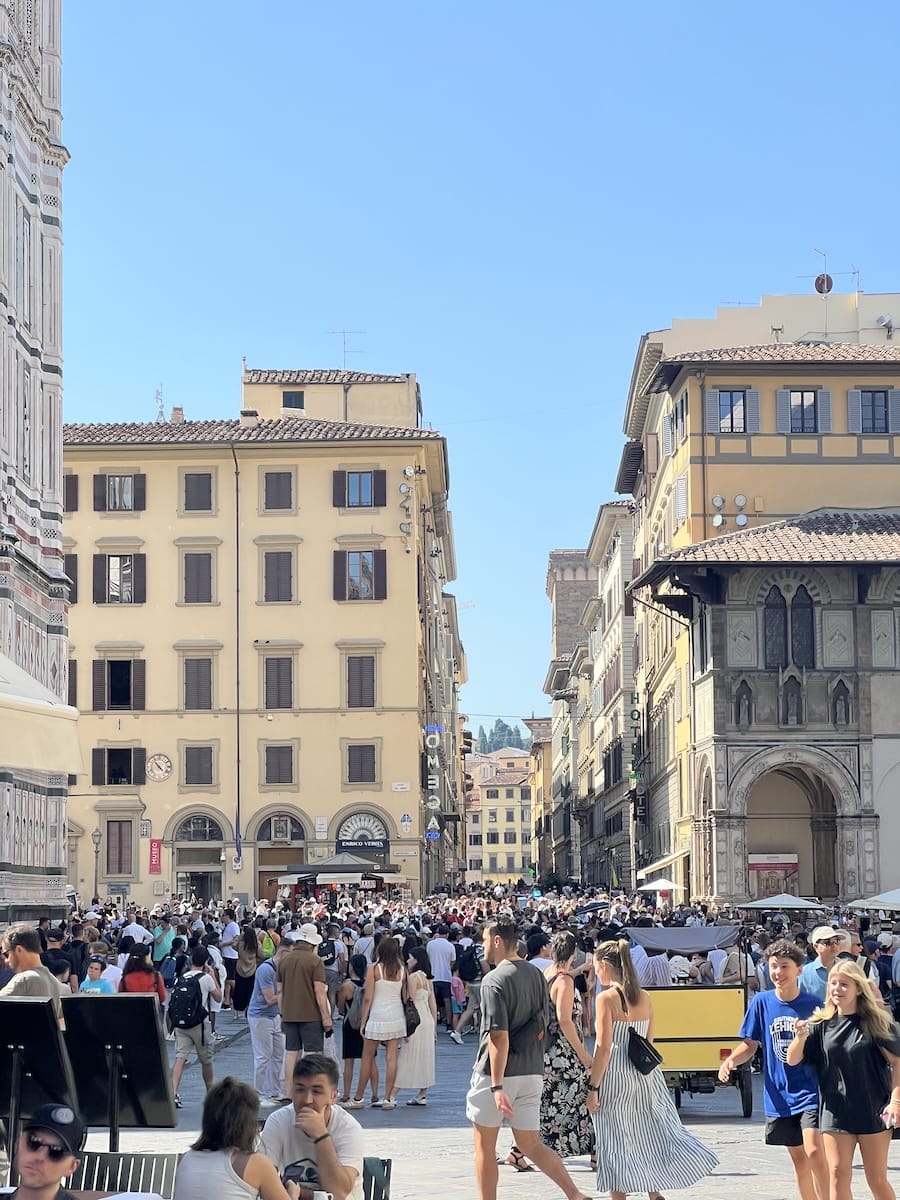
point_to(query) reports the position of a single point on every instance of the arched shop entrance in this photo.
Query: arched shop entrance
(198, 854)
(280, 844)
(365, 835)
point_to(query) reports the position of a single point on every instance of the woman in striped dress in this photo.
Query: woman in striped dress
(641, 1144)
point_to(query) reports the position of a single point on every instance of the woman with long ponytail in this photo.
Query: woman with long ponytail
(641, 1144)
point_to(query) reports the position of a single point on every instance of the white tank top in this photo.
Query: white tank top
(205, 1173)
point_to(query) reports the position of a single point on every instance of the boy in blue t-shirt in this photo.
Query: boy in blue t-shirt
(791, 1094)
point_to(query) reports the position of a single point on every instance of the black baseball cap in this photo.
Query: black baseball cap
(61, 1120)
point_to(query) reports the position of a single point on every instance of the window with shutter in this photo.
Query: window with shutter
(711, 403)
(119, 766)
(198, 578)
(72, 698)
(804, 410)
(752, 419)
(119, 847)
(783, 410)
(292, 400)
(120, 579)
(681, 499)
(732, 410)
(70, 566)
(278, 570)
(70, 493)
(198, 766)
(894, 409)
(99, 493)
(361, 763)
(198, 684)
(359, 489)
(279, 764)
(118, 683)
(279, 682)
(361, 681)
(668, 441)
(278, 491)
(871, 411)
(197, 491)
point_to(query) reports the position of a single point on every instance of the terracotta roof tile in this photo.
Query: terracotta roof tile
(255, 375)
(284, 429)
(835, 535)
(792, 352)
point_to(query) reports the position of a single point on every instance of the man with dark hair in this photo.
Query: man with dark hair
(790, 1094)
(442, 956)
(195, 1036)
(509, 1071)
(47, 1151)
(231, 935)
(312, 1141)
(21, 948)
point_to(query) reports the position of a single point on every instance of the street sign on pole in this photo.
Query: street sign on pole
(432, 834)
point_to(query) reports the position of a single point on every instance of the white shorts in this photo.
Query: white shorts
(524, 1093)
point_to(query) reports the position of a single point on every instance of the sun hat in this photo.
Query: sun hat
(308, 933)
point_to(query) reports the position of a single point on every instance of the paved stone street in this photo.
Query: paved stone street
(431, 1147)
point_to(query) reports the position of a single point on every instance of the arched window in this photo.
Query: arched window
(199, 829)
(281, 828)
(802, 638)
(743, 706)
(776, 630)
(792, 703)
(840, 704)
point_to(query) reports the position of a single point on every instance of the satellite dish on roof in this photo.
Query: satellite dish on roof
(824, 283)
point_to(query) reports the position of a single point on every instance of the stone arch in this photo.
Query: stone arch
(885, 587)
(197, 810)
(362, 806)
(834, 773)
(274, 810)
(788, 579)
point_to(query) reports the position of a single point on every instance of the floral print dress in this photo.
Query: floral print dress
(566, 1125)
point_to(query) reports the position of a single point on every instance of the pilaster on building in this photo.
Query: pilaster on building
(764, 594)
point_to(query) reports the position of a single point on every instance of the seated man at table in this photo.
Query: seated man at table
(312, 1141)
(47, 1151)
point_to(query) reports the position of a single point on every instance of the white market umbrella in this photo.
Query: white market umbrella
(784, 900)
(882, 900)
(661, 885)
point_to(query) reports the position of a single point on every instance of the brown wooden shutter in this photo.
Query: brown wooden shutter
(198, 765)
(72, 698)
(100, 596)
(279, 683)
(380, 557)
(338, 489)
(278, 487)
(70, 567)
(279, 764)
(138, 765)
(98, 685)
(340, 575)
(139, 684)
(198, 492)
(361, 681)
(278, 571)
(198, 578)
(70, 493)
(379, 489)
(140, 578)
(361, 764)
(98, 768)
(99, 493)
(139, 492)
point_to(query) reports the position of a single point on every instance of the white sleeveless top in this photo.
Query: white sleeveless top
(205, 1173)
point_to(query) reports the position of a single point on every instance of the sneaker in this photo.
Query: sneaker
(355, 1104)
(179, 1103)
(388, 1104)
(376, 1103)
(456, 1037)
(217, 1037)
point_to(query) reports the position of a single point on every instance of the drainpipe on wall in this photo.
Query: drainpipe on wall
(701, 381)
(237, 652)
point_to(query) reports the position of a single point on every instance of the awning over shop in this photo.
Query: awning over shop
(38, 732)
(662, 863)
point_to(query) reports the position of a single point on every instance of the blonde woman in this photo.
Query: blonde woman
(853, 1047)
(641, 1144)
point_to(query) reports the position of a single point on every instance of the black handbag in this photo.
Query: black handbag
(410, 1012)
(642, 1054)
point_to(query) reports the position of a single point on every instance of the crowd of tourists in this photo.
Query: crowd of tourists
(345, 995)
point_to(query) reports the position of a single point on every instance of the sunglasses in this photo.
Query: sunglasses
(54, 1153)
(829, 941)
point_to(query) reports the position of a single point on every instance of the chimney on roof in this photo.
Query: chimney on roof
(177, 416)
(249, 418)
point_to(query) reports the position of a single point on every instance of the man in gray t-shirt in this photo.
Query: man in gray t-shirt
(508, 1077)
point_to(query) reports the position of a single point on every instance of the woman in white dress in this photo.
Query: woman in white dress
(383, 1019)
(415, 1068)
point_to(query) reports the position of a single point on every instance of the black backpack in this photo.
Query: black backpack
(327, 952)
(186, 1008)
(168, 968)
(467, 964)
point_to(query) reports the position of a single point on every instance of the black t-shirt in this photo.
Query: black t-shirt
(854, 1076)
(515, 997)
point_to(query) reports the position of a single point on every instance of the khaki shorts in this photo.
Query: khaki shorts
(524, 1093)
(199, 1038)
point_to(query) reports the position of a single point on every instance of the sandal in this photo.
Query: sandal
(419, 1102)
(517, 1159)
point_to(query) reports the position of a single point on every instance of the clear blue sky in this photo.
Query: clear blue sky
(502, 196)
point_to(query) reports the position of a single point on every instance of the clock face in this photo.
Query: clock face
(159, 767)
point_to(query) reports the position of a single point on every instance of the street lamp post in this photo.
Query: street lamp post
(96, 838)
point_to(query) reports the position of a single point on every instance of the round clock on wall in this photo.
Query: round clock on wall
(159, 767)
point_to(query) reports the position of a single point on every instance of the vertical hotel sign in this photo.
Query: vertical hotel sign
(155, 856)
(433, 767)
(635, 776)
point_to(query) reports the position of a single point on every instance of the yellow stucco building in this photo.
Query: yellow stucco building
(263, 652)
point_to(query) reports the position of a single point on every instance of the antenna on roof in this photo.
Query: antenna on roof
(343, 334)
(160, 410)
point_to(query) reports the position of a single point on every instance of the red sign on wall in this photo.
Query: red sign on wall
(156, 856)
